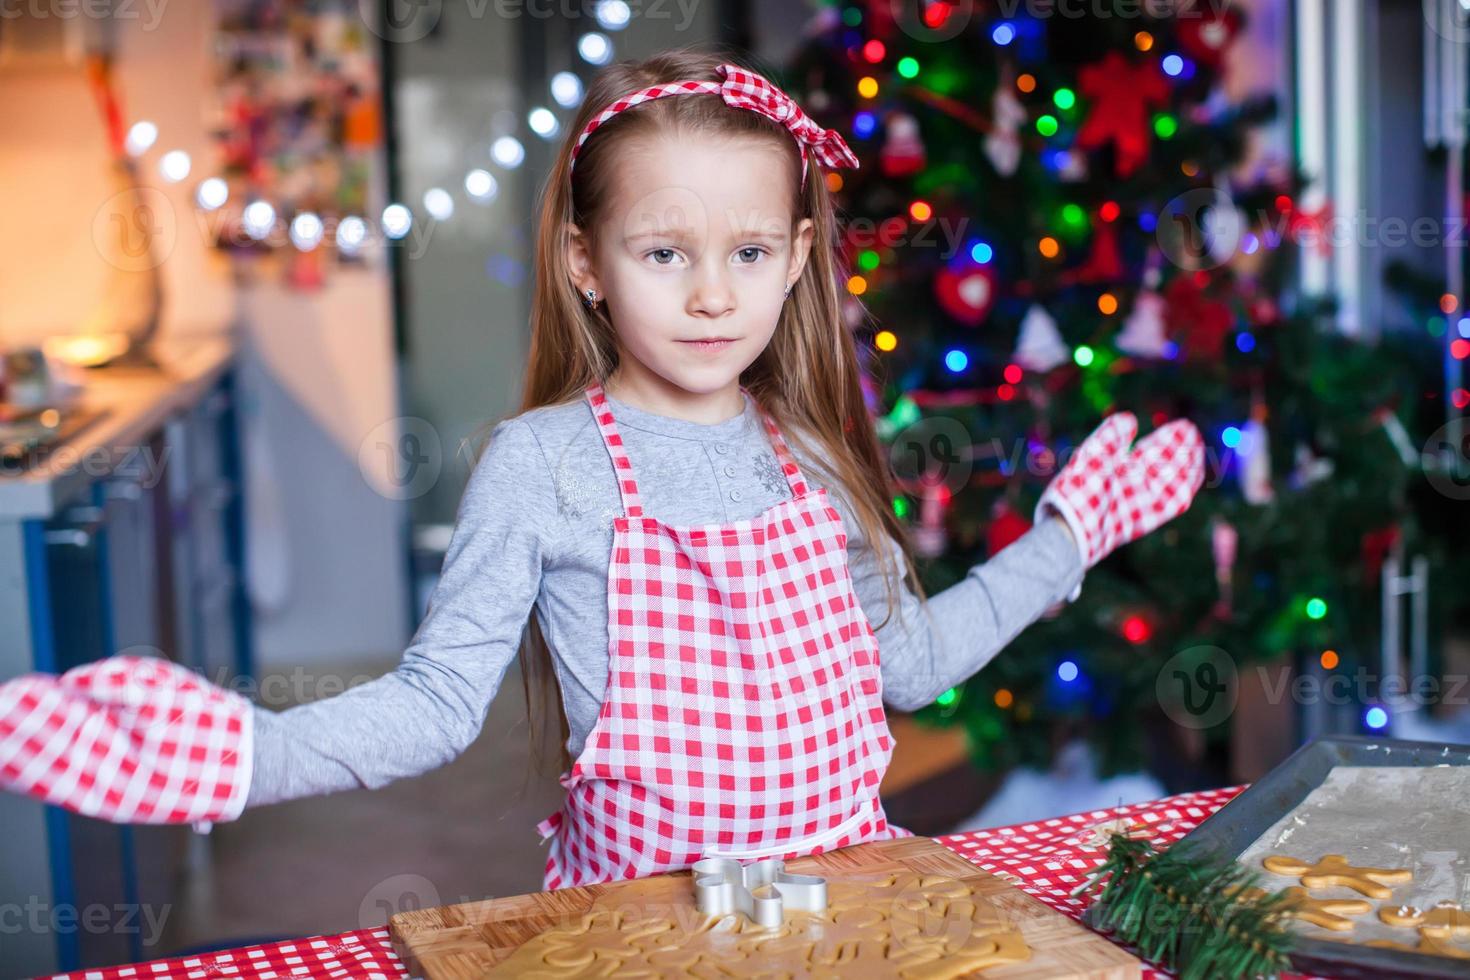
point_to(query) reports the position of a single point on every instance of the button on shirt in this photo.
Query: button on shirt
(534, 534)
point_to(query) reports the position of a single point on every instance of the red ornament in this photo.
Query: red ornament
(1206, 34)
(1136, 630)
(1005, 527)
(966, 294)
(1375, 548)
(1103, 264)
(1197, 323)
(1122, 94)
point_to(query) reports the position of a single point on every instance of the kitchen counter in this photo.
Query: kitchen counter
(134, 402)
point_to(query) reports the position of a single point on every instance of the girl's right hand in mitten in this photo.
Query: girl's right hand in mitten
(1110, 494)
(128, 739)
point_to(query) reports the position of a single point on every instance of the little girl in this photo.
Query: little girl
(695, 506)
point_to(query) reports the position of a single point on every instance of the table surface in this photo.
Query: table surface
(1047, 859)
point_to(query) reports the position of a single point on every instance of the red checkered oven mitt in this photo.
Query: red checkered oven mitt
(1110, 494)
(128, 739)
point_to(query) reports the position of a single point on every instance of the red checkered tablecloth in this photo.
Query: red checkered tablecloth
(1047, 859)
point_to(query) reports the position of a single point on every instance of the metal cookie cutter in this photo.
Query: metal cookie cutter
(762, 890)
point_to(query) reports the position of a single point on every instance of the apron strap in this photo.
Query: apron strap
(622, 465)
(783, 453)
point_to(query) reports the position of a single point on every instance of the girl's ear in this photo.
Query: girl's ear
(801, 247)
(579, 260)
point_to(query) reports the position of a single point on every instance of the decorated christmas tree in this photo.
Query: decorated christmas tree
(1050, 225)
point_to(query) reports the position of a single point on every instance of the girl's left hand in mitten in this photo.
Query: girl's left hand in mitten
(128, 739)
(1109, 494)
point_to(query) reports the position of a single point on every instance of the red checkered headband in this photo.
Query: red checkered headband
(742, 89)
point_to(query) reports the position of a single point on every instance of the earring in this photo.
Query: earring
(788, 289)
(591, 299)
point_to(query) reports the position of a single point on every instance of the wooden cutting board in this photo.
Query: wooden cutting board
(457, 942)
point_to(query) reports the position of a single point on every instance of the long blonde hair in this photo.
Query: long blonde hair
(808, 376)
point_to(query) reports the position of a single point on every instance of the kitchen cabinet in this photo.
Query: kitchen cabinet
(141, 555)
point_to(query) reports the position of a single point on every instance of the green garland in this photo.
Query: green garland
(1187, 914)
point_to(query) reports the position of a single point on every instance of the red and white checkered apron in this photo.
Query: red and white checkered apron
(744, 713)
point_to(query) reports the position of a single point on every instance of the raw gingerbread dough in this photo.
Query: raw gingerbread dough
(1447, 920)
(905, 926)
(1333, 870)
(1329, 913)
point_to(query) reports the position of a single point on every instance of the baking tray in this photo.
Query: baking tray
(1237, 825)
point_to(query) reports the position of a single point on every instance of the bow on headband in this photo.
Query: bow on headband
(742, 89)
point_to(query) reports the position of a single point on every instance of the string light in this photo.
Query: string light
(920, 211)
(1109, 212)
(886, 340)
(543, 122)
(1004, 698)
(834, 181)
(857, 285)
(613, 15)
(1165, 126)
(867, 260)
(141, 135)
(1448, 304)
(1189, 168)
(1047, 125)
(900, 507)
(1460, 398)
(1316, 608)
(982, 253)
(595, 48)
(1064, 98)
(1050, 248)
(1376, 718)
(396, 221)
(874, 51)
(351, 234)
(1107, 304)
(947, 698)
(212, 193)
(1074, 217)
(566, 89)
(1136, 629)
(174, 166)
(508, 152)
(867, 86)
(1013, 374)
(1230, 438)
(439, 204)
(1329, 659)
(1245, 342)
(908, 67)
(306, 231)
(1143, 41)
(1003, 34)
(863, 124)
(1083, 356)
(1173, 65)
(1067, 671)
(956, 360)
(481, 185)
(1026, 83)
(1005, 393)
(258, 219)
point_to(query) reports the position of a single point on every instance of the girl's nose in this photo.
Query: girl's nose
(712, 295)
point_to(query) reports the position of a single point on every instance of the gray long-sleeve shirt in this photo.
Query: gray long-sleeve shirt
(534, 531)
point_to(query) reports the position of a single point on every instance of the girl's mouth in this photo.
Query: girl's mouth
(709, 344)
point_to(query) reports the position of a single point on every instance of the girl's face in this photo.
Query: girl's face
(693, 257)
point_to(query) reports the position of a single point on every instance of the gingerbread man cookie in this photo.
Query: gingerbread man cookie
(1334, 871)
(1329, 913)
(1447, 920)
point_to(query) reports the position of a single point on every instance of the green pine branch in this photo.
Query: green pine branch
(1188, 914)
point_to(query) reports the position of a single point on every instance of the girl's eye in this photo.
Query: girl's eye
(753, 252)
(667, 252)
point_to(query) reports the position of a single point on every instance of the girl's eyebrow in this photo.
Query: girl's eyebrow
(684, 235)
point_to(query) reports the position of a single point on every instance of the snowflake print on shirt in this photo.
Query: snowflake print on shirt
(577, 495)
(768, 471)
